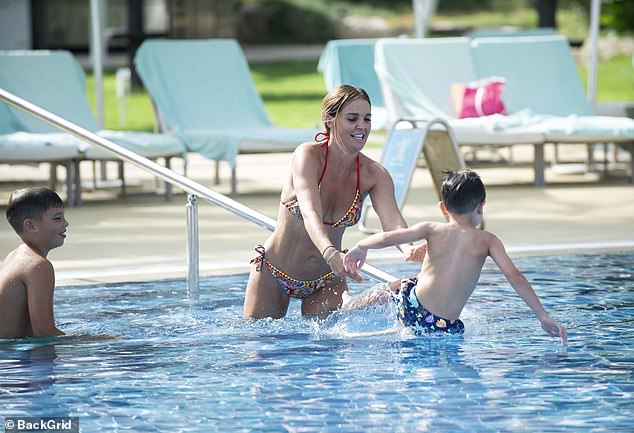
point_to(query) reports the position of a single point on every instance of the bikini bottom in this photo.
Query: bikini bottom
(292, 286)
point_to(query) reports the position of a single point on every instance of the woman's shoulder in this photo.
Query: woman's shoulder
(309, 146)
(308, 149)
(372, 167)
(307, 157)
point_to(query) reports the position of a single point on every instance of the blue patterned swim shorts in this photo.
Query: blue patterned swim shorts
(413, 315)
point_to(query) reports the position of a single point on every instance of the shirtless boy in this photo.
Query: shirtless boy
(456, 252)
(27, 278)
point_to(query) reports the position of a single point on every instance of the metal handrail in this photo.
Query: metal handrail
(166, 174)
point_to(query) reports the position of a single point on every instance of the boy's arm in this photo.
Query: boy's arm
(40, 285)
(355, 258)
(524, 289)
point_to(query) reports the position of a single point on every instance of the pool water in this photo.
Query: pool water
(199, 367)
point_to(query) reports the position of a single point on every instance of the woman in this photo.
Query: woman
(323, 195)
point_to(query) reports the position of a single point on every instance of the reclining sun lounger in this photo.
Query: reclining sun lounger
(204, 93)
(55, 81)
(541, 76)
(543, 95)
(53, 148)
(416, 76)
(351, 61)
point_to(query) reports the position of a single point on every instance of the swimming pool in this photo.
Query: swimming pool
(179, 366)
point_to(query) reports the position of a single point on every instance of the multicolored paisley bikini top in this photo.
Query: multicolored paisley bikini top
(352, 216)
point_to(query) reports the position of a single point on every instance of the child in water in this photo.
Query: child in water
(455, 254)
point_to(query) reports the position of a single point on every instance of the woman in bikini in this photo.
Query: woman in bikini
(323, 195)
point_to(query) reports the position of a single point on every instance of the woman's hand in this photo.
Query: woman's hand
(353, 261)
(336, 261)
(415, 254)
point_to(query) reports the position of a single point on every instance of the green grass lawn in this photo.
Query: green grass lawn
(615, 79)
(292, 93)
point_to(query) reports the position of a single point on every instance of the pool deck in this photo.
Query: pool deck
(140, 236)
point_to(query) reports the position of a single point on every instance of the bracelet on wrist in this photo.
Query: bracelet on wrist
(330, 254)
(326, 249)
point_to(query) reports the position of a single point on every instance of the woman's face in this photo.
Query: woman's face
(353, 124)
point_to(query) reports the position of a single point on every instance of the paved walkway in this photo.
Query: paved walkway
(140, 236)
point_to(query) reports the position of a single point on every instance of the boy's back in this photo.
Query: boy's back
(452, 266)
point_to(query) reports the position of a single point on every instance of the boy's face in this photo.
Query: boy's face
(51, 229)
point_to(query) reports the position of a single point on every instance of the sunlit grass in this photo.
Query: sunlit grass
(615, 79)
(138, 107)
(292, 92)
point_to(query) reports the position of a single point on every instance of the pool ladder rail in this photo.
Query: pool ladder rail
(194, 189)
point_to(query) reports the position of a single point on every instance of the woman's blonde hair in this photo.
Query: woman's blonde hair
(336, 99)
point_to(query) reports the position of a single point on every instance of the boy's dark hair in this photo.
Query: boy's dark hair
(30, 203)
(462, 191)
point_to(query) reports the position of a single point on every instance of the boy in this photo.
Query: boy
(27, 278)
(456, 251)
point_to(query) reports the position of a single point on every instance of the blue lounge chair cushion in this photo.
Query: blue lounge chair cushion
(51, 79)
(55, 81)
(30, 147)
(543, 94)
(542, 80)
(204, 94)
(419, 74)
(587, 129)
(144, 143)
(540, 72)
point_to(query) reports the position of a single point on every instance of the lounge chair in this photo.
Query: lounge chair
(416, 76)
(550, 88)
(55, 81)
(351, 61)
(53, 148)
(544, 99)
(203, 92)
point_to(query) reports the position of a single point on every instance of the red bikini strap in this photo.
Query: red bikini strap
(358, 172)
(322, 138)
(324, 170)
